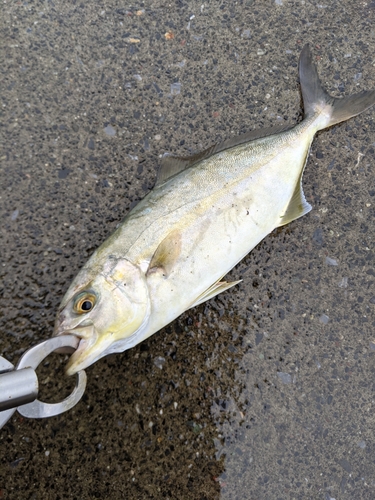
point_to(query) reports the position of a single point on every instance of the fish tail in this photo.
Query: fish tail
(317, 101)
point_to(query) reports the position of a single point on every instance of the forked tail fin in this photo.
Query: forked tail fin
(316, 100)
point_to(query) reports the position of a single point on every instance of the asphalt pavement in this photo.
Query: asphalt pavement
(265, 392)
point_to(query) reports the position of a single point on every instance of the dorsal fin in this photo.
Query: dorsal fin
(172, 165)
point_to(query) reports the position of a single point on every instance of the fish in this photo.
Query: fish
(204, 215)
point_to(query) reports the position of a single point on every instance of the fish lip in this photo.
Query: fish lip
(87, 353)
(87, 337)
(71, 367)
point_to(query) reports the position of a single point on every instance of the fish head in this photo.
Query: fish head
(105, 307)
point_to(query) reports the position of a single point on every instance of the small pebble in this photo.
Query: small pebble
(344, 282)
(14, 215)
(331, 262)
(159, 362)
(175, 88)
(324, 319)
(110, 131)
(285, 378)
(345, 465)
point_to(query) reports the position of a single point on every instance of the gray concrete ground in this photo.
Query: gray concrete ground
(266, 392)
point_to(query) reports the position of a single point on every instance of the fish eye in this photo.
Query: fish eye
(84, 303)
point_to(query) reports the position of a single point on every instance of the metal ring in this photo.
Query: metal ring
(33, 357)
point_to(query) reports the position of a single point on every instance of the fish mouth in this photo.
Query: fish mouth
(80, 359)
(88, 350)
(94, 345)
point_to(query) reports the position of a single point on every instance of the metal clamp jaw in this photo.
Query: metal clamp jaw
(19, 386)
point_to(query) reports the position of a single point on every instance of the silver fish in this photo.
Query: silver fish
(203, 216)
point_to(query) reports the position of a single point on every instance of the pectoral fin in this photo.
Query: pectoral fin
(166, 254)
(213, 290)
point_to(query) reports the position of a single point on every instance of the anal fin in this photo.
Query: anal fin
(213, 290)
(298, 206)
